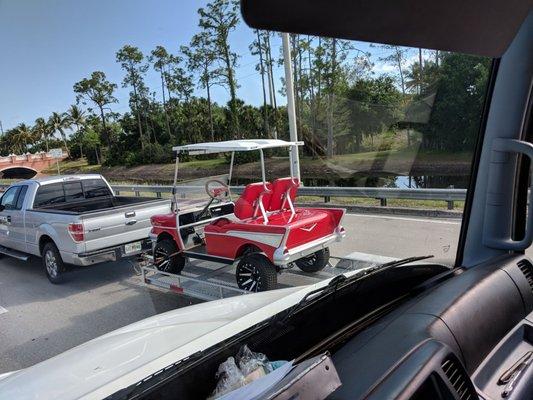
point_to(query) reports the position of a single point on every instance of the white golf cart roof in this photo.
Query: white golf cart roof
(234, 145)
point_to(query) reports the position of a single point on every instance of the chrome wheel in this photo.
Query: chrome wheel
(51, 264)
(167, 258)
(255, 273)
(161, 259)
(248, 277)
(314, 262)
(308, 262)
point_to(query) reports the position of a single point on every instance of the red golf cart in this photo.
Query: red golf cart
(262, 232)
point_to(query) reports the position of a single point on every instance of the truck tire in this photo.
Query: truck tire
(255, 273)
(166, 262)
(314, 262)
(53, 263)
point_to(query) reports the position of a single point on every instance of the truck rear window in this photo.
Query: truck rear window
(66, 192)
(95, 188)
(49, 194)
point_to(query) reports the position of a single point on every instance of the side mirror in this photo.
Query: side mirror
(2, 207)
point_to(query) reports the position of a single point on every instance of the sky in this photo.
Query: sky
(47, 46)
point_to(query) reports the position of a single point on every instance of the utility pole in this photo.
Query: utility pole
(1, 128)
(420, 66)
(291, 109)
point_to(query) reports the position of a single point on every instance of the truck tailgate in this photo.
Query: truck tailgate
(120, 225)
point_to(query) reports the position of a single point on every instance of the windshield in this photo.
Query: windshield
(388, 136)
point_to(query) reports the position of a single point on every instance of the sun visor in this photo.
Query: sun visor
(482, 27)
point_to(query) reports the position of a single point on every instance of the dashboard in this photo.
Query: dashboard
(456, 341)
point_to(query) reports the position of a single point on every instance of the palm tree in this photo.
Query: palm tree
(77, 117)
(60, 122)
(42, 131)
(24, 135)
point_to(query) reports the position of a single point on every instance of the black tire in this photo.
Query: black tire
(255, 273)
(53, 263)
(163, 259)
(314, 262)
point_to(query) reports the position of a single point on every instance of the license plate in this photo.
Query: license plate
(132, 247)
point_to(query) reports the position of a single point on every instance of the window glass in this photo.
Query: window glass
(387, 132)
(21, 196)
(73, 191)
(95, 188)
(9, 199)
(49, 194)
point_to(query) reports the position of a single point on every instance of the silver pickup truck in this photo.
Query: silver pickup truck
(73, 220)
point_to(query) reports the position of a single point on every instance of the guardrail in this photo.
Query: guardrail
(449, 195)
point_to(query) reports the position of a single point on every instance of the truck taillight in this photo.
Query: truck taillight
(76, 232)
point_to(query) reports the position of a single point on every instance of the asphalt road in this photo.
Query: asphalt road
(39, 320)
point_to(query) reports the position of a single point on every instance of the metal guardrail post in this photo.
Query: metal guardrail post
(158, 195)
(383, 201)
(137, 193)
(450, 202)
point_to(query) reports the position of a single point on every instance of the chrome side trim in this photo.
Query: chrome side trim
(283, 258)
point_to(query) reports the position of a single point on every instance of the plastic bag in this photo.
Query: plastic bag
(233, 374)
(229, 377)
(249, 361)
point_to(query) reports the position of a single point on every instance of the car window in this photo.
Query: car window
(95, 188)
(73, 191)
(9, 199)
(49, 194)
(21, 196)
(388, 136)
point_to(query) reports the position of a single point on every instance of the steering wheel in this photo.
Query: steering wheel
(222, 191)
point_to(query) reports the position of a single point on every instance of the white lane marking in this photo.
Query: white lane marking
(2, 310)
(433, 221)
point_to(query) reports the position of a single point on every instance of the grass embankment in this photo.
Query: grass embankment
(399, 162)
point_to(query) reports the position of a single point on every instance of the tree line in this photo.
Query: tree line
(342, 106)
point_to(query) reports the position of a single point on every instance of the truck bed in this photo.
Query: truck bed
(95, 205)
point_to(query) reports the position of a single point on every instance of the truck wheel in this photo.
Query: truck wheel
(163, 259)
(255, 273)
(314, 262)
(53, 263)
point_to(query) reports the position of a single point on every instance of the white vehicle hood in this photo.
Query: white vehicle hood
(102, 366)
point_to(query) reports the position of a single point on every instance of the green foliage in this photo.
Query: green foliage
(91, 143)
(341, 106)
(217, 20)
(456, 111)
(99, 91)
(375, 106)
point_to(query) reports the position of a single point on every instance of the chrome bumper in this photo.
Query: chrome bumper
(105, 255)
(284, 257)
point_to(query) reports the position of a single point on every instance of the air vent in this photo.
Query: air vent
(459, 379)
(527, 269)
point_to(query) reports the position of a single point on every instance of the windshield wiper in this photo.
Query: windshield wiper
(342, 281)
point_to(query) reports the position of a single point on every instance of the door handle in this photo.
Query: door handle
(132, 222)
(129, 214)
